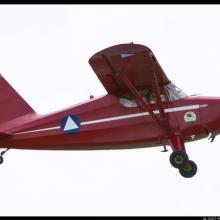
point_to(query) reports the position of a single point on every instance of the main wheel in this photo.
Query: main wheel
(189, 170)
(178, 159)
(1, 159)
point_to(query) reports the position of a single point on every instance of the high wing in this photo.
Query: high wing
(135, 61)
(128, 68)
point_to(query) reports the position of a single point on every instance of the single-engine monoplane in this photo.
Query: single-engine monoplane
(142, 108)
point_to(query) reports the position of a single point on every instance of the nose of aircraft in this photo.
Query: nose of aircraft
(210, 114)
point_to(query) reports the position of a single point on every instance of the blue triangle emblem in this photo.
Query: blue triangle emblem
(70, 124)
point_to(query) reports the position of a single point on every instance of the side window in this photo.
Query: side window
(163, 95)
(128, 101)
(147, 95)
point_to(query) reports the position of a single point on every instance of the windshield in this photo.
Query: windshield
(173, 92)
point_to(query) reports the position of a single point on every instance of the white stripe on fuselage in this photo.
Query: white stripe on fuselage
(176, 109)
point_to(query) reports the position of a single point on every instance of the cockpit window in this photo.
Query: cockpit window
(128, 103)
(147, 95)
(169, 92)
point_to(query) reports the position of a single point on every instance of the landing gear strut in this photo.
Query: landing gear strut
(179, 158)
(1, 157)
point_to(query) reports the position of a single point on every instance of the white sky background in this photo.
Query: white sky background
(44, 52)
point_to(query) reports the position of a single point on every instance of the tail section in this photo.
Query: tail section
(12, 105)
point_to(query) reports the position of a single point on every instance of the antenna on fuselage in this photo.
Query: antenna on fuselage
(164, 149)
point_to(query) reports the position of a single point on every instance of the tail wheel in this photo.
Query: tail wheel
(1, 159)
(189, 170)
(178, 159)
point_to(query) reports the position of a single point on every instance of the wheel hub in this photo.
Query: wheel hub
(188, 167)
(179, 159)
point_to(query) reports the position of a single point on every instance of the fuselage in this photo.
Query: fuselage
(106, 124)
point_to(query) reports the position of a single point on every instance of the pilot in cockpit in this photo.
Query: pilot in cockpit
(148, 97)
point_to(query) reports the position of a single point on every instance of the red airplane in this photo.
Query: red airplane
(143, 108)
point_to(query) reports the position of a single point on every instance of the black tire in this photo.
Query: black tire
(179, 159)
(1, 159)
(189, 170)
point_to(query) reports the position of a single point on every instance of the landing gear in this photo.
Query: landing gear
(1, 157)
(178, 159)
(189, 170)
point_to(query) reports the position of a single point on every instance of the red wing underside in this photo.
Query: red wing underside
(133, 60)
